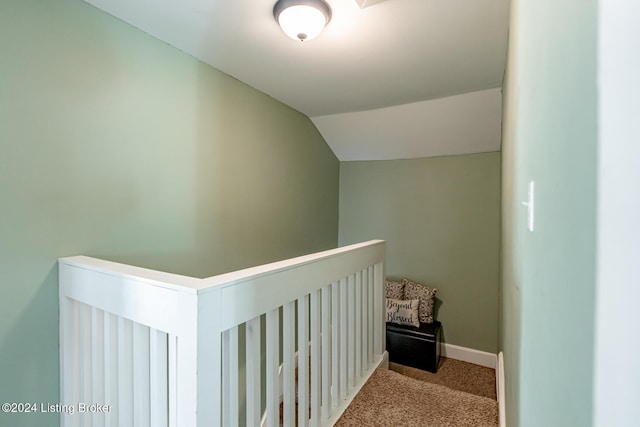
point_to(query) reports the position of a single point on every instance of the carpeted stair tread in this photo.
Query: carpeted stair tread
(390, 399)
(457, 375)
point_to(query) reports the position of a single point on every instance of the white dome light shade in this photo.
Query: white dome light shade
(302, 19)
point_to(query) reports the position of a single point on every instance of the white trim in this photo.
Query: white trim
(502, 414)
(470, 355)
(385, 361)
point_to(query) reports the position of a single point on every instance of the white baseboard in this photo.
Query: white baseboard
(470, 355)
(502, 414)
(385, 361)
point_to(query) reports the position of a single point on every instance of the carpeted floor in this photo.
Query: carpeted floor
(421, 399)
(455, 374)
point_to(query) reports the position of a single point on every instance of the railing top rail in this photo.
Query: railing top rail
(125, 271)
(194, 284)
(229, 279)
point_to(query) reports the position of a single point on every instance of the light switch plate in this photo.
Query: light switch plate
(530, 205)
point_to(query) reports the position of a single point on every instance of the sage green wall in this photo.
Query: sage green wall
(548, 276)
(441, 220)
(116, 145)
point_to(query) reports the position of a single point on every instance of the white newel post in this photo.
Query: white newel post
(184, 360)
(379, 336)
(209, 358)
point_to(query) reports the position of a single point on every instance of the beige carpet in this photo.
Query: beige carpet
(455, 374)
(390, 399)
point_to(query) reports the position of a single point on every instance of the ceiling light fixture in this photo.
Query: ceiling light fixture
(302, 19)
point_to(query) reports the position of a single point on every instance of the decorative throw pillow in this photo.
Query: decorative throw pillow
(425, 294)
(395, 290)
(403, 312)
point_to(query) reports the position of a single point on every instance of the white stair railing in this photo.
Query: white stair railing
(158, 349)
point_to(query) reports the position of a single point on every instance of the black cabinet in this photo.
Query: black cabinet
(415, 347)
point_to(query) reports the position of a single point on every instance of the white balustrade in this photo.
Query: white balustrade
(160, 349)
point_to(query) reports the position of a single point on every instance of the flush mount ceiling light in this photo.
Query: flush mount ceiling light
(302, 19)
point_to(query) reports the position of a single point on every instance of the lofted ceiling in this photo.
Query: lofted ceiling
(380, 67)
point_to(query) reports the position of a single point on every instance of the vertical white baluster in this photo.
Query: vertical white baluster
(114, 351)
(273, 353)
(125, 372)
(315, 392)
(379, 309)
(335, 343)
(351, 330)
(82, 352)
(108, 371)
(370, 317)
(254, 381)
(365, 318)
(173, 381)
(288, 362)
(97, 363)
(86, 356)
(303, 361)
(358, 314)
(326, 351)
(158, 384)
(230, 393)
(85, 359)
(344, 351)
(141, 390)
(226, 379)
(234, 391)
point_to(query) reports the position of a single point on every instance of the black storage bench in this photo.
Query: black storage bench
(415, 347)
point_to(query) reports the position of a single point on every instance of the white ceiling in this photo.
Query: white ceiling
(459, 124)
(386, 54)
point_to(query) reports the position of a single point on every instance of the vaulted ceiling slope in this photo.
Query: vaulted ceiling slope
(459, 124)
(385, 54)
